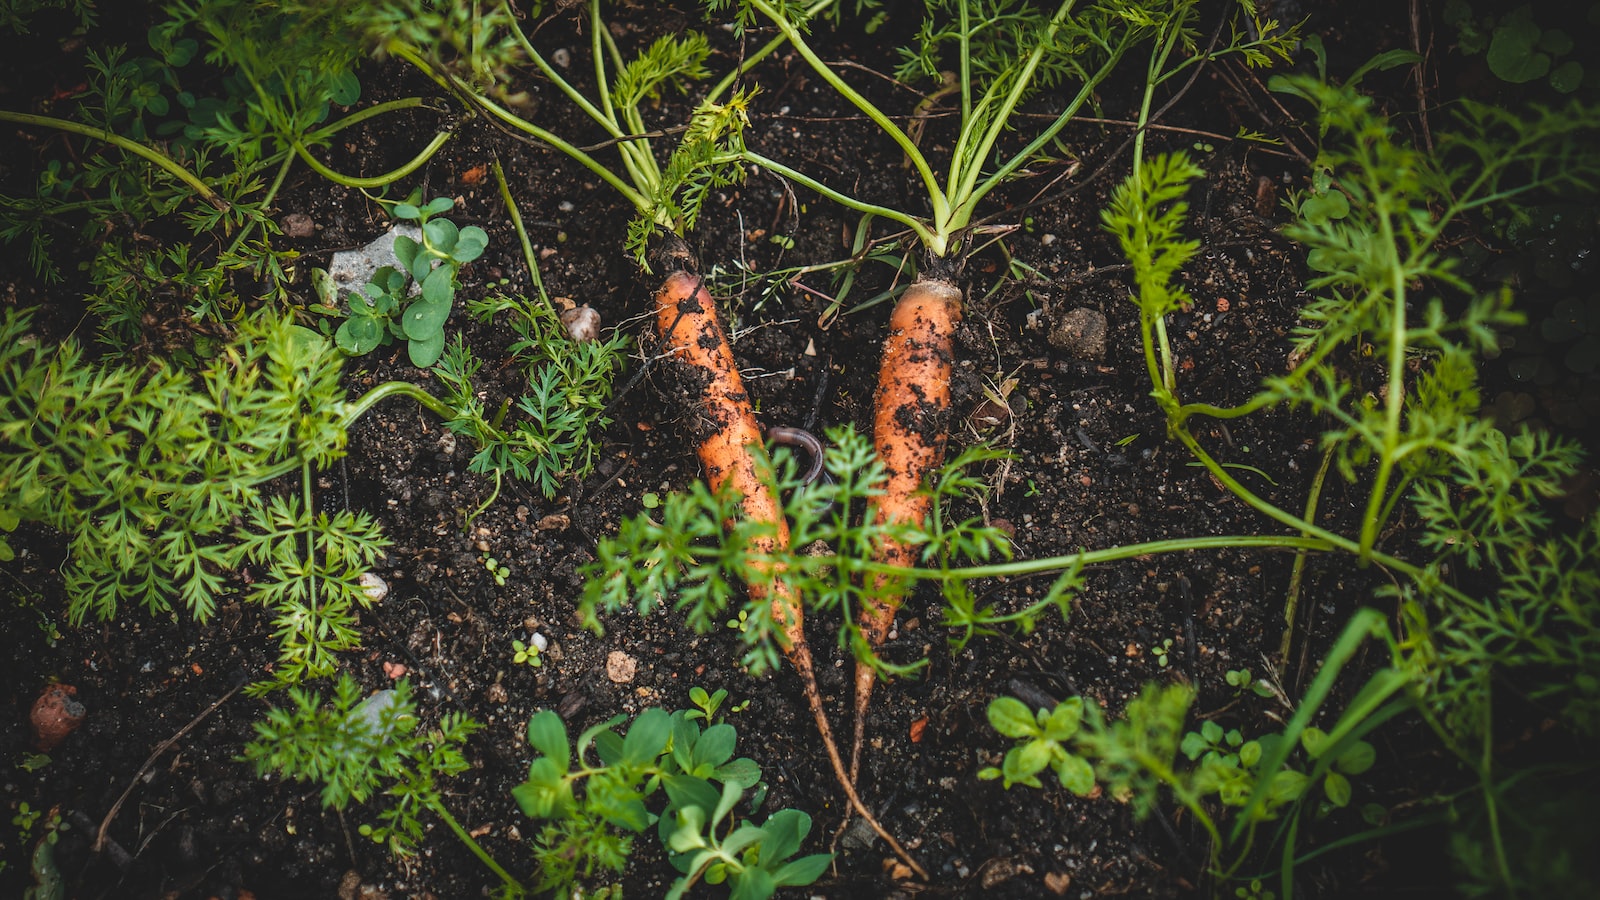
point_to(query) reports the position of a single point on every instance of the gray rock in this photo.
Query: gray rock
(1080, 332)
(350, 269)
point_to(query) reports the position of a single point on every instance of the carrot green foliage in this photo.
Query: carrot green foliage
(700, 548)
(1375, 224)
(357, 747)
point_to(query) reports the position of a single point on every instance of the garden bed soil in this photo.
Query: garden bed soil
(1091, 468)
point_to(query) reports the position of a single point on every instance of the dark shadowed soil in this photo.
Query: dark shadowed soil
(1092, 468)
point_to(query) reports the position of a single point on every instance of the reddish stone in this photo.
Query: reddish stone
(55, 715)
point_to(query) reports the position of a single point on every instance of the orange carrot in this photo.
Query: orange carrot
(909, 430)
(730, 445)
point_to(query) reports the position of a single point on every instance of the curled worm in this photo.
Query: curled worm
(805, 440)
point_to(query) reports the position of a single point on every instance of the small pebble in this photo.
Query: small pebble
(1081, 333)
(620, 667)
(582, 323)
(55, 715)
(298, 225)
(374, 587)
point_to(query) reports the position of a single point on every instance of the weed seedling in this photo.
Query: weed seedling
(668, 770)
(527, 654)
(1162, 652)
(497, 570)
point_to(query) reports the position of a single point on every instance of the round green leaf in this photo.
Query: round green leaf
(439, 286)
(1012, 718)
(1076, 775)
(1320, 209)
(438, 205)
(1337, 787)
(1555, 42)
(346, 89)
(1512, 56)
(424, 319)
(425, 353)
(1567, 77)
(405, 250)
(441, 234)
(359, 335)
(1358, 758)
(1064, 719)
(548, 735)
(470, 244)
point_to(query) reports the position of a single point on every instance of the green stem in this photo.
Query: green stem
(631, 193)
(312, 138)
(148, 153)
(939, 203)
(522, 235)
(917, 225)
(1297, 574)
(965, 170)
(1394, 403)
(377, 181)
(765, 51)
(477, 850)
(354, 410)
(1097, 557)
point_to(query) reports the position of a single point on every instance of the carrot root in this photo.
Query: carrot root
(910, 426)
(730, 445)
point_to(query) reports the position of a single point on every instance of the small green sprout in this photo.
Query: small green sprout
(498, 570)
(527, 654)
(741, 624)
(1163, 652)
(1240, 681)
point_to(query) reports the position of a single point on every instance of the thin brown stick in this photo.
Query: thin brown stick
(164, 746)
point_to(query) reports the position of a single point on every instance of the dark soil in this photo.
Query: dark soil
(1092, 468)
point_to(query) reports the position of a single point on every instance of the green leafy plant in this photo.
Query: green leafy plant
(667, 198)
(1515, 46)
(282, 68)
(380, 312)
(563, 412)
(1254, 781)
(594, 808)
(355, 747)
(161, 481)
(1374, 222)
(700, 561)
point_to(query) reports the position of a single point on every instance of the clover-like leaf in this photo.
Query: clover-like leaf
(425, 352)
(470, 244)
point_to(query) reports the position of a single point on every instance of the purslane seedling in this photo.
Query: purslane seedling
(382, 311)
(675, 771)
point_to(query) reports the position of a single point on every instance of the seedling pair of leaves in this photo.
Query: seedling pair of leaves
(380, 312)
(671, 753)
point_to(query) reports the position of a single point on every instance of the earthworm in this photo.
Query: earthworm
(805, 440)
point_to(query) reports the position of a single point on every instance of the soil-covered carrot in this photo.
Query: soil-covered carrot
(730, 446)
(911, 422)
